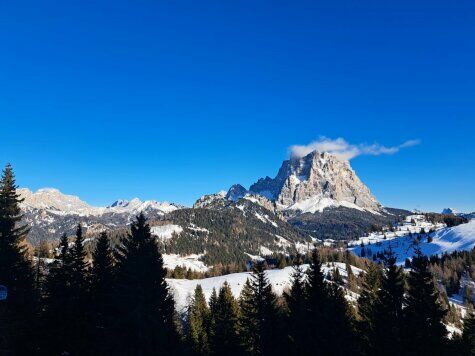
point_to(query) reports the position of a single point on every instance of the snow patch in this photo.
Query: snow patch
(190, 262)
(166, 232)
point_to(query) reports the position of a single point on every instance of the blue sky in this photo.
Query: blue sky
(170, 100)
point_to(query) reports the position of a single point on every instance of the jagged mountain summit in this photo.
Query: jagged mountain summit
(311, 184)
(318, 193)
(51, 213)
(54, 201)
(449, 211)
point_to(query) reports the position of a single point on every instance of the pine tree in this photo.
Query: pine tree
(224, 333)
(259, 316)
(367, 309)
(20, 310)
(101, 285)
(316, 323)
(351, 279)
(336, 277)
(199, 323)
(213, 302)
(79, 292)
(144, 303)
(340, 323)
(328, 315)
(424, 332)
(388, 321)
(58, 315)
(468, 336)
(296, 306)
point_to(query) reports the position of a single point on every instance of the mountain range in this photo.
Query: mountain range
(313, 197)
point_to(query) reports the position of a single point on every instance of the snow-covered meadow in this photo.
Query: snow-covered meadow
(280, 279)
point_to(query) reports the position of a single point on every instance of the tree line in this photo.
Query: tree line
(119, 304)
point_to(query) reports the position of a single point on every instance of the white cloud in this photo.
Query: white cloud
(346, 151)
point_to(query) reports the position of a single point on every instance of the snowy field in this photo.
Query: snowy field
(165, 232)
(461, 237)
(279, 278)
(189, 262)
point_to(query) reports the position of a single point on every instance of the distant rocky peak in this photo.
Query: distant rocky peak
(316, 175)
(236, 192)
(449, 211)
(119, 203)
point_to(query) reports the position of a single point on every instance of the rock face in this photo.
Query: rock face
(449, 211)
(318, 179)
(236, 192)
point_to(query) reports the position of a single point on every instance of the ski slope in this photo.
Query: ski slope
(458, 238)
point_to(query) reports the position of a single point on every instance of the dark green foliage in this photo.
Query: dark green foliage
(101, 292)
(199, 323)
(145, 307)
(328, 315)
(229, 234)
(59, 308)
(343, 223)
(367, 310)
(424, 332)
(296, 309)
(450, 220)
(224, 328)
(18, 314)
(259, 321)
(67, 299)
(468, 336)
(388, 319)
(79, 293)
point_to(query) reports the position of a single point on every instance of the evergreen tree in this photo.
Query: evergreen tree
(224, 333)
(351, 279)
(316, 323)
(468, 336)
(340, 323)
(213, 302)
(424, 332)
(259, 315)
(80, 294)
(388, 321)
(296, 307)
(58, 314)
(367, 309)
(145, 307)
(101, 284)
(328, 315)
(20, 310)
(199, 323)
(336, 277)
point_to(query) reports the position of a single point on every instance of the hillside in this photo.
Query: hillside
(279, 278)
(444, 240)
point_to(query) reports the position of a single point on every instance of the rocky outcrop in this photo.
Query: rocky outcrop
(318, 178)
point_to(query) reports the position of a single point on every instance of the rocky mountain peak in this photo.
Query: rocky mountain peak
(316, 181)
(236, 192)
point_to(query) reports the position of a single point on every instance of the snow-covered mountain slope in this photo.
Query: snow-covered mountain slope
(54, 201)
(226, 234)
(458, 238)
(50, 213)
(318, 193)
(279, 278)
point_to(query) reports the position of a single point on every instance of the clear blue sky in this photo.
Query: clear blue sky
(170, 100)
